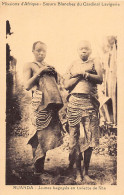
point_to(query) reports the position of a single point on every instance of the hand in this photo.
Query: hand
(51, 67)
(80, 73)
(44, 70)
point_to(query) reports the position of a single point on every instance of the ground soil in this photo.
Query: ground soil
(19, 166)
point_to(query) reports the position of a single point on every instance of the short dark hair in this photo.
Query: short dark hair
(35, 43)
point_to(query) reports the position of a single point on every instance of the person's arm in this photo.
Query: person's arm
(98, 79)
(29, 80)
(84, 73)
(70, 81)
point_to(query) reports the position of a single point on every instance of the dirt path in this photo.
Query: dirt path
(20, 167)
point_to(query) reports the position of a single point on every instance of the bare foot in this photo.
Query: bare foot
(88, 179)
(38, 172)
(78, 178)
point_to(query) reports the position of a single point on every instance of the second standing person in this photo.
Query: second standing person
(81, 81)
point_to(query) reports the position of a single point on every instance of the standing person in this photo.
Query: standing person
(82, 111)
(41, 79)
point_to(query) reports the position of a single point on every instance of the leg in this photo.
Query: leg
(73, 144)
(78, 168)
(87, 140)
(71, 160)
(75, 156)
(38, 154)
(87, 157)
(39, 165)
(88, 126)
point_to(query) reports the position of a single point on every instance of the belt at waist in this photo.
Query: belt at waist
(81, 95)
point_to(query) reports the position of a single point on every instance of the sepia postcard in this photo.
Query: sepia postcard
(61, 81)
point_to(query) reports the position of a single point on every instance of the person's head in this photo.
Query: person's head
(39, 50)
(111, 40)
(84, 50)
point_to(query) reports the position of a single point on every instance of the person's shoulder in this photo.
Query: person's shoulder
(96, 59)
(75, 63)
(28, 65)
(97, 63)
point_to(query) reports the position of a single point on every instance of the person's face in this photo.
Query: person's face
(111, 40)
(84, 51)
(39, 52)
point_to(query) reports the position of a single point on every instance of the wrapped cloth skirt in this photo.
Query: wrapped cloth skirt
(83, 123)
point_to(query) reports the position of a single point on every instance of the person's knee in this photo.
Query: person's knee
(72, 145)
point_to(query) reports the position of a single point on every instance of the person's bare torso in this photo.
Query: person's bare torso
(83, 86)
